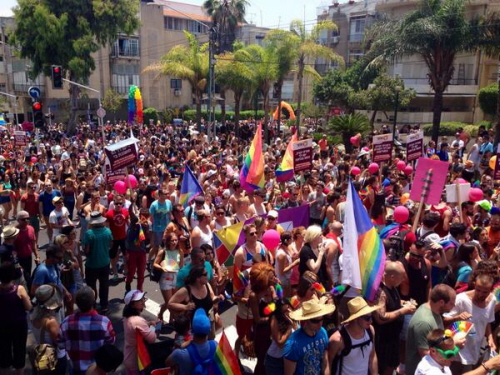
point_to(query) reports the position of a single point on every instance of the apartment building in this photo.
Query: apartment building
(472, 70)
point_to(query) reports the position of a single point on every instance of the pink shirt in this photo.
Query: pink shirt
(24, 242)
(130, 326)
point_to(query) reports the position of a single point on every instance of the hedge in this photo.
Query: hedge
(451, 128)
(332, 139)
(190, 114)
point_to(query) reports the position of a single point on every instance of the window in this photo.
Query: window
(123, 76)
(195, 27)
(126, 47)
(171, 23)
(176, 84)
(357, 29)
(355, 55)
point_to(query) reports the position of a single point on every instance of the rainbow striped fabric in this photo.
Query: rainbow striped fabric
(285, 170)
(225, 362)
(364, 253)
(252, 172)
(143, 358)
(190, 187)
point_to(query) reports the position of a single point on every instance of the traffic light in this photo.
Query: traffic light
(57, 82)
(38, 117)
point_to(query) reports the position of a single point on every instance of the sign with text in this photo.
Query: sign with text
(122, 154)
(113, 176)
(496, 176)
(382, 147)
(302, 155)
(20, 138)
(432, 190)
(414, 145)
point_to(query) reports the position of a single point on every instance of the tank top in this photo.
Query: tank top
(392, 329)
(285, 276)
(249, 256)
(356, 362)
(418, 279)
(206, 238)
(15, 312)
(205, 303)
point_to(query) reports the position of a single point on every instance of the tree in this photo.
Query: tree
(150, 113)
(488, 99)
(437, 31)
(334, 89)
(226, 15)
(348, 126)
(66, 33)
(186, 62)
(308, 50)
(112, 101)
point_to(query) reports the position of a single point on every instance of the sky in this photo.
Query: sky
(267, 13)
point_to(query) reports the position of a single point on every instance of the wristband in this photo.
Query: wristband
(485, 367)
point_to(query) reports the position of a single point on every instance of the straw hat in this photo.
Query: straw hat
(9, 232)
(311, 309)
(357, 308)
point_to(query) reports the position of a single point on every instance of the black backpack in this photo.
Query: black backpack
(396, 245)
(339, 359)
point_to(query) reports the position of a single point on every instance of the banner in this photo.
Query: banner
(122, 154)
(113, 176)
(20, 138)
(382, 147)
(414, 145)
(451, 193)
(496, 175)
(302, 155)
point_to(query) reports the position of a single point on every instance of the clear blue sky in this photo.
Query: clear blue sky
(268, 13)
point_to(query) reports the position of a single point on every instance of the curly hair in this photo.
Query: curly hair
(261, 275)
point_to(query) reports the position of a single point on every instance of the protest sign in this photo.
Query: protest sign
(414, 145)
(435, 186)
(113, 176)
(382, 147)
(20, 138)
(122, 154)
(451, 193)
(302, 155)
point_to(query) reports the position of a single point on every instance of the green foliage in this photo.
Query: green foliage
(333, 89)
(150, 113)
(488, 99)
(486, 124)
(190, 114)
(450, 128)
(112, 101)
(360, 75)
(314, 111)
(332, 139)
(348, 126)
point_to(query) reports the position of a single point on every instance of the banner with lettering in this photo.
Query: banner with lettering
(382, 147)
(302, 155)
(122, 154)
(414, 145)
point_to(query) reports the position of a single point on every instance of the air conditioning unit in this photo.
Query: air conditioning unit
(335, 39)
(177, 92)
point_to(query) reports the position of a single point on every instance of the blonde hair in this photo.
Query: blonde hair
(241, 201)
(60, 239)
(312, 232)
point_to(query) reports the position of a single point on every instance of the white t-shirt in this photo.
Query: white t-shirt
(469, 355)
(428, 366)
(59, 218)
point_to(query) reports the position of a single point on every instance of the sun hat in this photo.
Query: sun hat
(485, 205)
(273, 213)
(48, 297)
(363, 153)
(201, 324)
(96, 218)
(56, 199)
(311, 309)
(9, 232)
(358, 307)
(134, 295)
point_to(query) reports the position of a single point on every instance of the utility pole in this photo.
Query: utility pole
(212, 35)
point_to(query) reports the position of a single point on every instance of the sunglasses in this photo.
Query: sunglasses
(449, 354)
(368, 318)
(416, 255)
(252, 233)
(220, 213)
(271, 218)
(316, 321)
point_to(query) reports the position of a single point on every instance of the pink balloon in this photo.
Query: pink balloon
(475, 194)
(355, 171)
(354, 141)
(459, 181)
(132, 179)
(34, 159)
(401, 214)
(408, 170)
(120, 187)
(373, 168)
(401, 165)
(271, 239)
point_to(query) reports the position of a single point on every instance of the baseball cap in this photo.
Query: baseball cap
(201, 323)
(273, 213)
(134, 295)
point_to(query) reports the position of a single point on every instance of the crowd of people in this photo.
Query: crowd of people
(293, 314)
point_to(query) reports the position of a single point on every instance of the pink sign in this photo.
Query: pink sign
(436, 181)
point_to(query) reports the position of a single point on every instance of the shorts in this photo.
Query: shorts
(168, 280)
(156, 239)
(4, 199)
(35, 223)
(406, 324)
(243, 326)
(117, 244)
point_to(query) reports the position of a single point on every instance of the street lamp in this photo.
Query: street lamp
(396, 105)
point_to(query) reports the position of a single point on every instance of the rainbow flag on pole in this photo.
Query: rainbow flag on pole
(225, 362)
(285, 170)
(190, 187)
(252, 172)
(143, 358)
(364, 253)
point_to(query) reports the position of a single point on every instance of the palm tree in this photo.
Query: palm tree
(308, 50)
(233, 74)
(348, 126)
(226, 14)
(437, 31)
(186, 62)
(489, 43)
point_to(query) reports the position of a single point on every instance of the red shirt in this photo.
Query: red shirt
(31, 204)
(24, 242)
(117, 223)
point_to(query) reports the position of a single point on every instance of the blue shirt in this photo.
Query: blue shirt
(161, 215)
(184, 272)
(46, 275)
(306, 351)
(46, 200)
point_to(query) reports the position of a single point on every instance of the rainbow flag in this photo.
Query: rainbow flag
(285, 170)
(190, 187)
(143, 358)
(140, 238)
(225, 362)
(364, 253)
(252, 172)
(240, 281)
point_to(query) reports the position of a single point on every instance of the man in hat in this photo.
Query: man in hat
(351, 349)
(199, 354)
(59, 217)
(97, 243)
(306, 350)
(8, 254)
(272, 222)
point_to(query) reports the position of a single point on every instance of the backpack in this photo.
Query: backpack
(396, 245)
(338, 360)
(420, 237)
(45, 357)
(201, 365)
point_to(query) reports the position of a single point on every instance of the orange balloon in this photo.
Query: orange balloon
(493, 162)
(404, 198)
